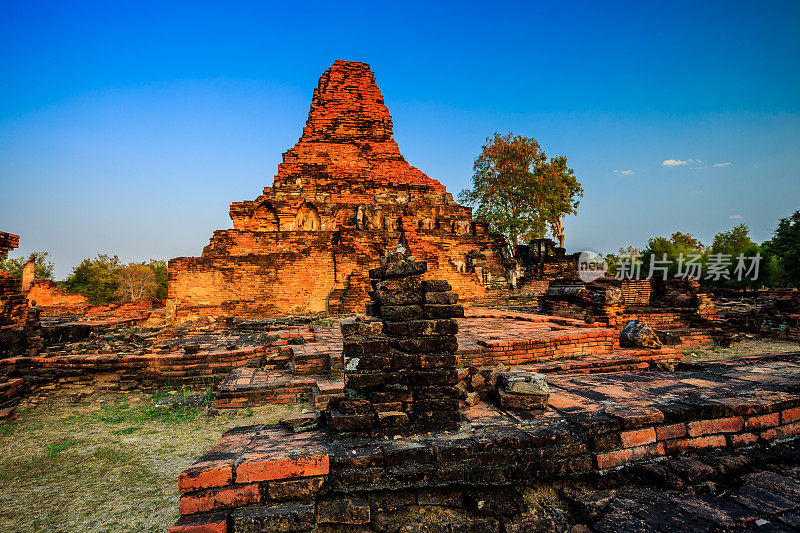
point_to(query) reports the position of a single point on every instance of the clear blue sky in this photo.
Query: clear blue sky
(129, 128)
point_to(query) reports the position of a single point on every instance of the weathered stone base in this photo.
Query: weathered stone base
(265, 478)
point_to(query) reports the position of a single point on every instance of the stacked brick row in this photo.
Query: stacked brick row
(11, 391)
(636, 292)
(13, 306)
(400, 364)
(8, 241)
(591, 341)
(132, 370)
(262, 478)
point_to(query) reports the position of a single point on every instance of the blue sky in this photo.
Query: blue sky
(129, 128)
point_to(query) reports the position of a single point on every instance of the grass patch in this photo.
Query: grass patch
(58, 447)
(110, 464)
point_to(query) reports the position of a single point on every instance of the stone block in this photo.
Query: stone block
(364, 327)
(350, 422)
(519, 382)
(437, 361)
(279, 518)
(422, 328)
(295, 489)
(522, 402)
(404, 268)
(401, 313)
(342, 510)
(436, 285)
(432, 311)
(392, 419)
(219, 498)
(201, 523)
(438, 344)
(441, 298)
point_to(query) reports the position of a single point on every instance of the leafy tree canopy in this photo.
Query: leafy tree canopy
(785, 245)
(733, 242)
(95, 278)
(106, 279)
(519, 192)
(159, 267)
(14, 266)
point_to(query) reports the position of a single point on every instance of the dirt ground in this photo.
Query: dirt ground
(744, 347)
(109, 463)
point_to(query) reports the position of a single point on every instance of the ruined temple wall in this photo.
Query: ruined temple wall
(46, 293)
(245, 272)
(272, 283)
(636, 292)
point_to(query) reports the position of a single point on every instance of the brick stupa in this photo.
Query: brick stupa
(342, 198)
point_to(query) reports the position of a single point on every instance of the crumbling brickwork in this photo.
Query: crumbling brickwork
(400, 369)
(342, 198)
(44, 293)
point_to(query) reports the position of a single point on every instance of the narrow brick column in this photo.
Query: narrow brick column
(400, 362)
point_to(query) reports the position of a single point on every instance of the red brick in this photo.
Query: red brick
(762, 421)
(219, 498)
(204, 476)
(743, 439)
(672, 431)
(201, 523)
(628, 455)
(790, 415)
(258, 467)
(681, 445)
(716, 425)
(780, 432)
(638, 437)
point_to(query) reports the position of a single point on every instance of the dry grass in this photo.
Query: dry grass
(745, 347)
(107, 464)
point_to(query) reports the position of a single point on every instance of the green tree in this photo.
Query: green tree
(559, 192)
(14, 266)
(785, 246)
(678, 247)
(160, 269)
(518, 191)
(95, 278)
(733, 242)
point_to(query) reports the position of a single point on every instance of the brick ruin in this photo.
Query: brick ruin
(342, 198)
(19, 329)
(12, 301)
(476, 470)
(400, 367)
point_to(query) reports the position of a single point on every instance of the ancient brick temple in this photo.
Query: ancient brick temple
(343, 197)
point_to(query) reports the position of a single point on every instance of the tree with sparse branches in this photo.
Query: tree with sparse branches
(136, 282)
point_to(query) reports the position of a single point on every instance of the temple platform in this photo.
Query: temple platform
(313, 371)
(262, 477)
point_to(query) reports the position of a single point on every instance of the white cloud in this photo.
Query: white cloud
(736, 216)
(680, 162)
(725, 164)
(624, 172)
